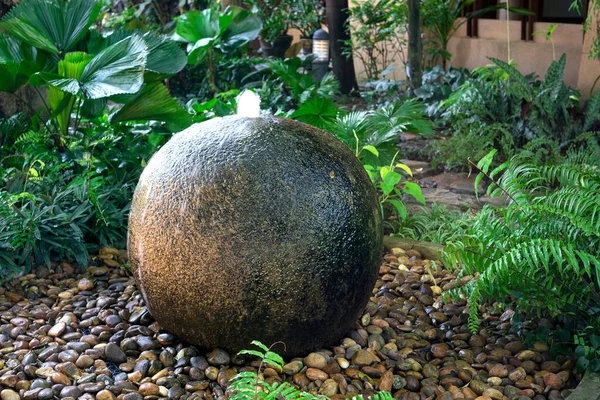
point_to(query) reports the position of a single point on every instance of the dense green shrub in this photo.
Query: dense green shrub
(378, 35)
(435, 224)
(56, 205)
(542, 252)
(286, 84)
(501, 108)
(51, 43)
(438, 85)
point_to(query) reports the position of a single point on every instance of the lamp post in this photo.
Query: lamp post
(321, 50)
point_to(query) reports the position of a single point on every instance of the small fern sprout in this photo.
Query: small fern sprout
(249, 385)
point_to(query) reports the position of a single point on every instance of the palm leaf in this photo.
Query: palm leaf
(154, 102)
(52, 25)
(62, 102)
(18, 61)
(244, 27)
(319, 112)
(164, 55)
(11, 79)
(115, 70)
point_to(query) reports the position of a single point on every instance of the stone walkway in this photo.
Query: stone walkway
(455, 190)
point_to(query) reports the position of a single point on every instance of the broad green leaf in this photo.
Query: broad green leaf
(196, 25)
(99, 41)
(164, 55)
(400, 208)
(372, 150)
(404, 168)
(383, 171)
(69, 85)
(582, 364)
(243, 27)
(389, 182)
(198, 51)
(52, 25)
(93, 108)
(414, 190)
(115, 70)
(393, 178)
(154, 102)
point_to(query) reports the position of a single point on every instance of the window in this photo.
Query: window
(558, 11)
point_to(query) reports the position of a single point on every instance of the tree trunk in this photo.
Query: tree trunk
(225, 3)
(339, 32)
(415, 47)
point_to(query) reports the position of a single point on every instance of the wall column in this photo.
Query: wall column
(589, 70)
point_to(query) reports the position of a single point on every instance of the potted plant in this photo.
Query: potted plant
(276, 16)
(307, 16)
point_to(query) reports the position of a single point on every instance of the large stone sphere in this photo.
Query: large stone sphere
(248, 229)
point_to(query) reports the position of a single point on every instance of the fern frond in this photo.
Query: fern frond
(543, 250)
(593, 112)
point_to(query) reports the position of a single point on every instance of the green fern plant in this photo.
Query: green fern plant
(249, 385)
(541, 252)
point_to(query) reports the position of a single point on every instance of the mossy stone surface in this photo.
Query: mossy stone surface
(255, 228)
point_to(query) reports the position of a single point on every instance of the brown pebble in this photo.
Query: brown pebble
(149, 389)
(316, 374)
(386, 381)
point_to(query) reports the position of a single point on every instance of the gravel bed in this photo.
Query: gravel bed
(69, 335)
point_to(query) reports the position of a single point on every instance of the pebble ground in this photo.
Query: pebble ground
(68, 335)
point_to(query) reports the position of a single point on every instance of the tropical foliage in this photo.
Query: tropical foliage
(541, 251)
(501, 108)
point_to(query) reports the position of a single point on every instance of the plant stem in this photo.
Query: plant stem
(78, 117)
(49, 111)
(496, 182)
(29, 107)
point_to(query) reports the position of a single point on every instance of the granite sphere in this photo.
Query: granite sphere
(261, 228)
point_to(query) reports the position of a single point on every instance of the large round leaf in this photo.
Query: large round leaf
(196, 25)
(164, 55)
(52, 25)
(116, 69)
(154, 102)
(243, 27)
